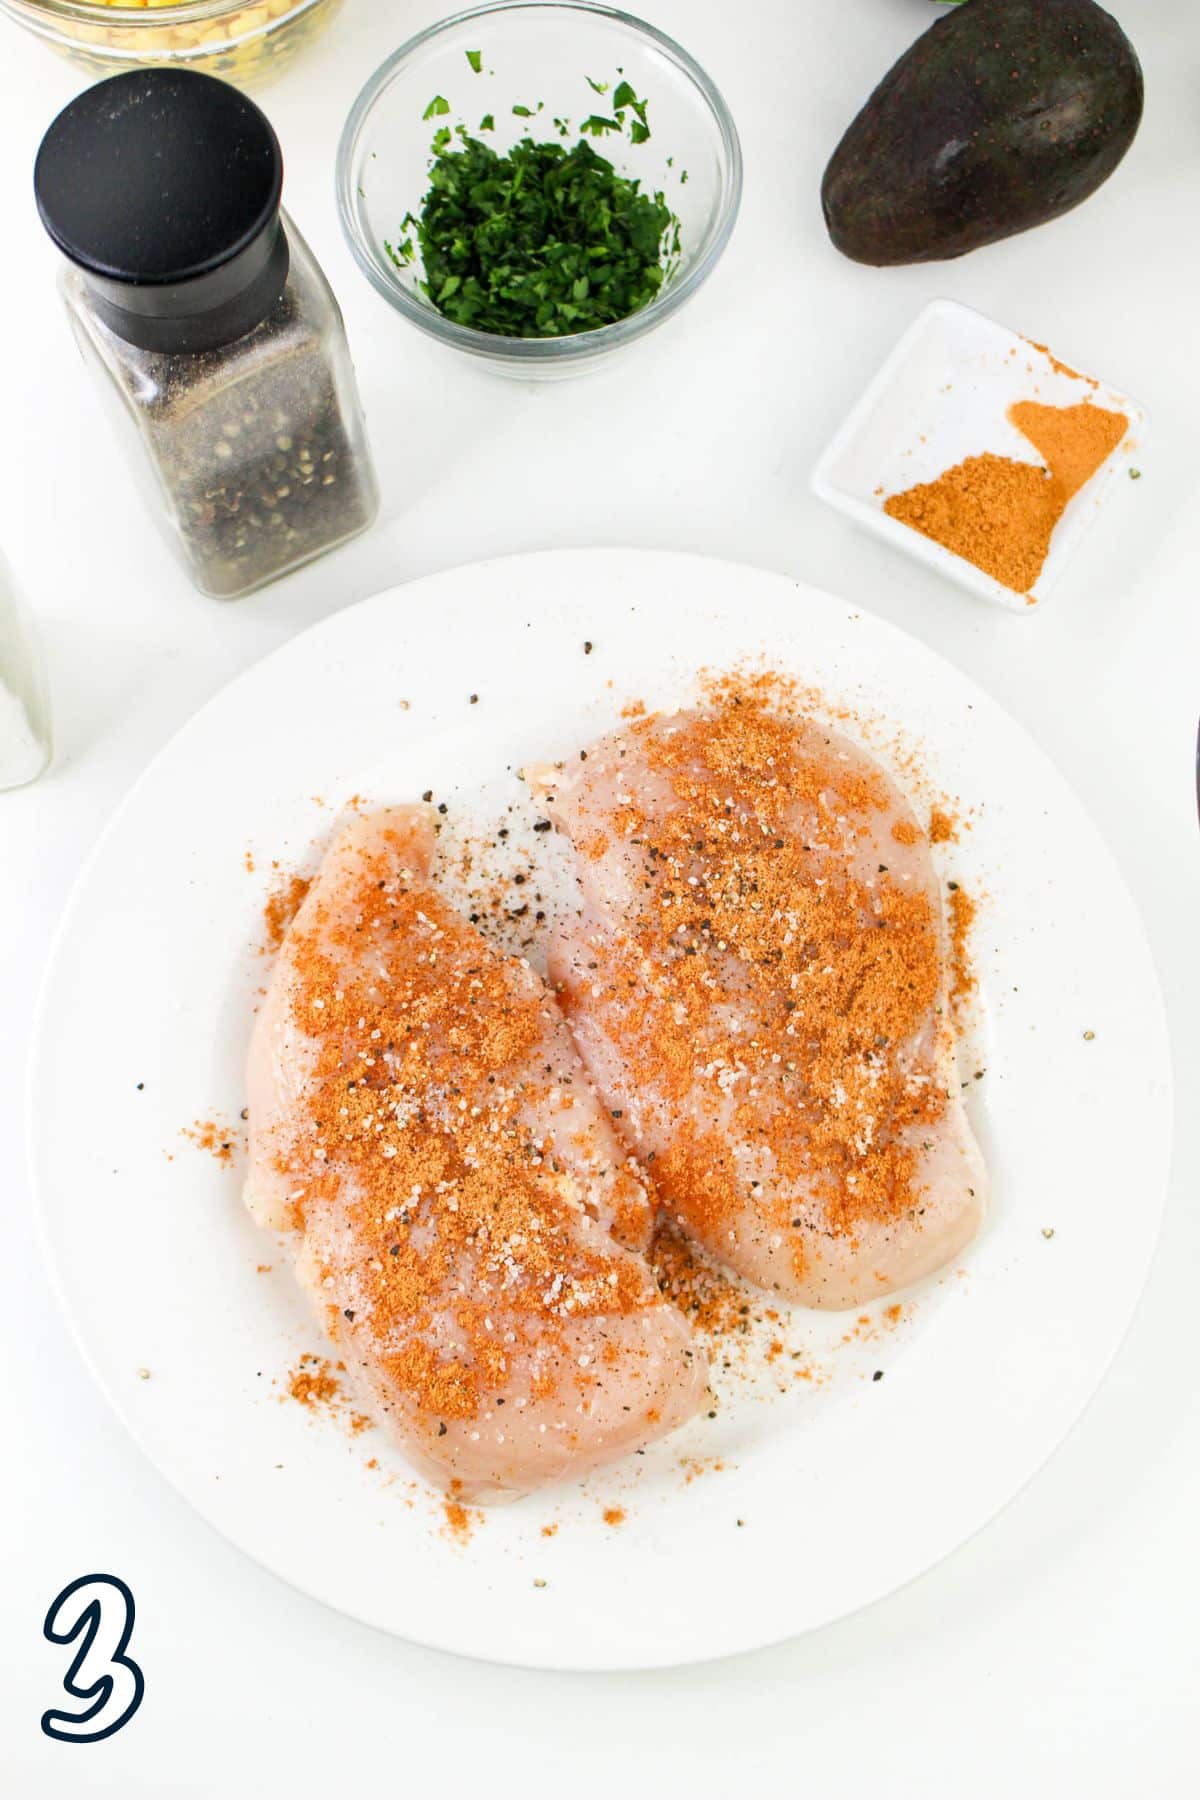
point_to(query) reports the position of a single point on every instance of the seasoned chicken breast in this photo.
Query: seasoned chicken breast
(463, 1215)
(757, 980)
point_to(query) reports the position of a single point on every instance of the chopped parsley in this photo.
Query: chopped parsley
(543, 241)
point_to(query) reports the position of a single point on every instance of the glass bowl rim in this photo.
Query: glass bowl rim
(569, 345)
(129, 18)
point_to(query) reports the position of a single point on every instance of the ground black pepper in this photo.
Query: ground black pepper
(259, 453)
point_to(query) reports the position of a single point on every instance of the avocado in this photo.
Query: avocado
(1005, 114)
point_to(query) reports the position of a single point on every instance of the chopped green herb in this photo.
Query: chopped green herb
(488, 122)
(598, 126)
(437, 106)
(625, 96)
(541, 242)
(475, 58)
(683, 178)
(401, 255)
(638, 133)
(523, 112)
(441, 138)
(597, 87)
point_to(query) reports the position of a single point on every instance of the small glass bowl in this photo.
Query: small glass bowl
(538, 54)
(247, 42)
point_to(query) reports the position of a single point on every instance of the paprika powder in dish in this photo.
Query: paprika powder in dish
(1000, 513)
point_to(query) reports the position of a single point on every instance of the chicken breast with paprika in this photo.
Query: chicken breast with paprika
(757, 978)
(463, 1215)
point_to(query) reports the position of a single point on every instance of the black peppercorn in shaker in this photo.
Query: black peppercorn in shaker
(210, 320)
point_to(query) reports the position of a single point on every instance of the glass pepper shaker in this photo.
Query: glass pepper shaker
(210, 322)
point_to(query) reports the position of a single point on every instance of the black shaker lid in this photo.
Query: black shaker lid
(163, 186)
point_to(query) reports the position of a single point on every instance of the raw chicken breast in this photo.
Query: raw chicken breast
(465, 1219)
(757, 981)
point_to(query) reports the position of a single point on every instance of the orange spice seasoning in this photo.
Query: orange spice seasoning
(962, 918)
(458, 1520)
(755, 878)
(1073, 441)
(282, 905)
(999, 513)
(313, 1383)
(716, 1305)
(427, 1194)
(1060, 368)
(212, 1136)
(990, 510)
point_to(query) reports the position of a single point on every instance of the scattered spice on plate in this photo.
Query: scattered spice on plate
(314, 1382)
(943, 826)
(999, 513)
(695, 1466)
(458, 1520)
(963, 911)
(614, 1515)
(282, 905)
(213, 1136)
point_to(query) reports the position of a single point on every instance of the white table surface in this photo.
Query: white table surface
(1056, 1654)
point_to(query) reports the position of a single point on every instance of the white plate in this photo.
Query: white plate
(943, 395)
(845, 1488)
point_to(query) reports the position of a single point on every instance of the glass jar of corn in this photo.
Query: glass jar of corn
(246, 43)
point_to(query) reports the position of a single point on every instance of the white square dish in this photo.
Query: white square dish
(944, 395)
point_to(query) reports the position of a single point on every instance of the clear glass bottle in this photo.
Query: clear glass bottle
(210, 321)
(24, 700)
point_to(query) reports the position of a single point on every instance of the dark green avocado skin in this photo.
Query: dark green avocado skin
(1005, 114)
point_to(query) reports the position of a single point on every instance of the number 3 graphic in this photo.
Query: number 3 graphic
(99, 1610)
